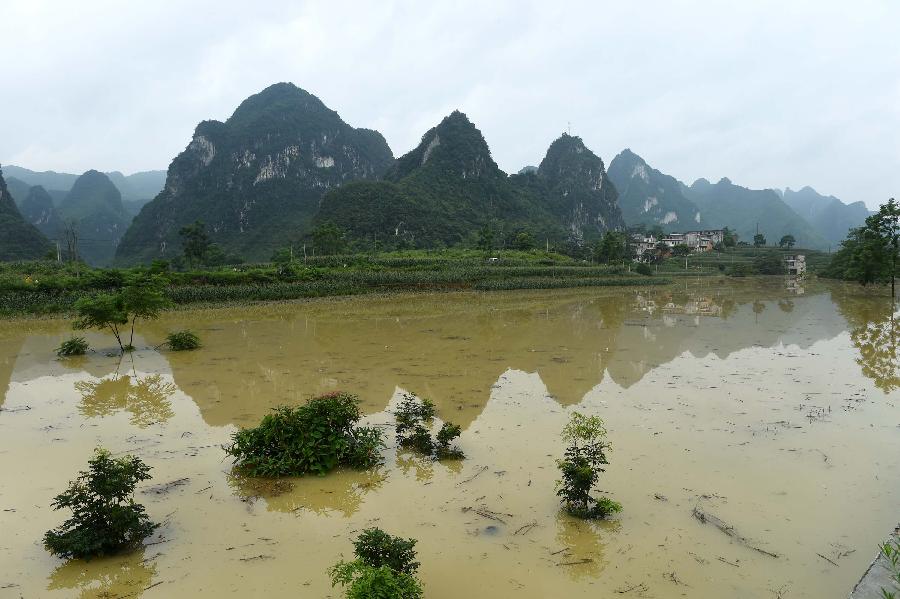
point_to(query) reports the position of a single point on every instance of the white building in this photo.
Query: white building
(796, 264)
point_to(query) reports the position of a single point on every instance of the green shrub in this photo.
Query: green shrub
(76, 346)
(105, 519)
(365, 582)
(643, 269)
(182, 340)
(376, 548)
(411, 416)
(443, 450)
(584, 459)
(313, 438)
(384, 568)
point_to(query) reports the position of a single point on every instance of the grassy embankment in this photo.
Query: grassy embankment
(52, 288)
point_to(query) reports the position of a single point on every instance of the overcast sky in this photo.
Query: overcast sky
(781, 93)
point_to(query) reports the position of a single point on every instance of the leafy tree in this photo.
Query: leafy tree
(656, 232)
(144, 297)
(523, 240)
(869, 254)
(584, 459)
(787, 241)
(770, 263)
(141, 297)
(105, 519)
(729, 239)
(195, 242)
(681, 249)
(106, 310)
(759, 240)
(486, 239)
(611, 248)
(329, 239)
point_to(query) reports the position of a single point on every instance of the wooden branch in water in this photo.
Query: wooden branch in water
(707, 518)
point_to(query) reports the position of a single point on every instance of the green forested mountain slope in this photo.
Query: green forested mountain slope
(256, 180)
(19, 240)
(449, 190)
(649, 197)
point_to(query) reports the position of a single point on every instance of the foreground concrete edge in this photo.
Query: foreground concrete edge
(877, 577)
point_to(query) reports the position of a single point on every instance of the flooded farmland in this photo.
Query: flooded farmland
(773, 408)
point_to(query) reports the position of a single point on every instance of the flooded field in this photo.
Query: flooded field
(772, 408)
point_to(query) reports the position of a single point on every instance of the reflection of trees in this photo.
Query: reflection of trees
(877, 345)
(786, 305)
(583, 540)
(124, 576)
(342, 491)
(873, 330)
(147, 398)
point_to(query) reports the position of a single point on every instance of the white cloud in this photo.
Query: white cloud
(767, 93)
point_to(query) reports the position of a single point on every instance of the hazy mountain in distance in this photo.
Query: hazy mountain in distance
(143, 185)
(725, 204)
(94, 204)
(38, 209)
(17, 188)
(829, 215)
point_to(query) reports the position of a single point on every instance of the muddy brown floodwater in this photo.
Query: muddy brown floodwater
(771, 407)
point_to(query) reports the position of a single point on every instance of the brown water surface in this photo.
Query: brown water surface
(774, 408)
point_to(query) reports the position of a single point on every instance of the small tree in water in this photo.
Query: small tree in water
(580, 469)
(412, 414)
(384, 568)
(141, 297)
(105, 519)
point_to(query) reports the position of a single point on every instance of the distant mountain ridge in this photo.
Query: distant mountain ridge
(830, 216)
(649, 197)
(744, 210)
(141, 186)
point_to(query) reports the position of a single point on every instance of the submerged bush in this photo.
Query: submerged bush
(412, 415)
(580, 469)
(313, 438)
(377, 548)
(105, 519)
(182, 340)
(76, 346)
(384, 568)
